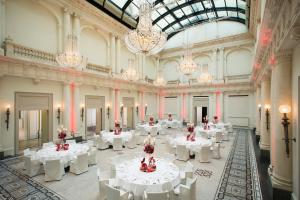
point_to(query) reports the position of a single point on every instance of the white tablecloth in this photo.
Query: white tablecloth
(147, 127)
(172, 123)
(50, 153)
(109, 136)
(210, 132)
(130, 178)
(192, 145)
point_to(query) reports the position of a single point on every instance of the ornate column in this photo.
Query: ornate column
(221, 64)
(112, 53)
(214, 64)
(117, 105)
(258, 110)
(161, 106)
(190, 108)
(66, 105)
(67, 26)
(281, 94)
(265, 117)
(112, 108)
(77, 108)
(76, 28)
(2, 24)
(118, 57)
(157, 105)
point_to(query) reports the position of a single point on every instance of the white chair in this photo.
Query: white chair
(226, 136)
(113, 171)
(101, 144)
(102, 189)
(116, 194)
(171, 148)
(92, 156)
(174, 125)
(54, 170)
(182, 153)
(117, 144)
(71, 141)
(219, 137)
(203, 155)
(165, 195)
(153, 131)
(188, 172)
(131, 144)
(169, 157)
(32, 167)
(204, 134)
(80, 164)
(48, 144)
(185, 191)
(216, 151)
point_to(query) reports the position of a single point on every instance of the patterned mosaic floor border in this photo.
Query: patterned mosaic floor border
(15, 185)
(240, 179)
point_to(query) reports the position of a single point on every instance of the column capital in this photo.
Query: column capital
(284, 56)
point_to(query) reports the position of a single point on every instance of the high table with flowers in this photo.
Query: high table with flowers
(191, 141)
(109, 136)
(147, 173)
(61, 151)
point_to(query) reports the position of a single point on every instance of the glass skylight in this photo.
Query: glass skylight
(172, 16)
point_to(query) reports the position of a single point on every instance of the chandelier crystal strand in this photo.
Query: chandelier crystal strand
(130, 74)
(71, 56)
(187, 66)
(160, 81)
(205, 76)
(145, 39)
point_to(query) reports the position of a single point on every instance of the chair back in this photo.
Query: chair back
(71, 141)
(191, 183)
(117, 143)
(204, 134)
(157, 195)
(153, 131)
(218, 136)
(182, 152)
(83, 158)
(204, 154)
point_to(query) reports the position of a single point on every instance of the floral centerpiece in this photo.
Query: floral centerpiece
(170, 117)
(215, 121)
(62, 134)
(205, 123)
(117, 128)
(191, 135)
(149, 143)
(151, 121)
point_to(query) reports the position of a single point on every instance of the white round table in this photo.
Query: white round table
(109, 136)
(172, 123)
(210, 132)
(192, 145)
(147, 127)
(130, 178)
(50, 153)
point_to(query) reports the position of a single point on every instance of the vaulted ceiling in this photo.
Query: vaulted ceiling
(174, 17)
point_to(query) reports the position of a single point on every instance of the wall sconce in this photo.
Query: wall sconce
(58, 113)
(121, 110)
(137, 109)
(259, 110)
(146, 109)
(267, 108)
(284, 109)
(81, 112)
(7, 113)
(108, 110)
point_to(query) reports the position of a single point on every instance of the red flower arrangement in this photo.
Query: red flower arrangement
(62, 147)
(148, 148)
(62, 133)
(151, 122)
(149, 143)
(170, 117)
(117, 128)
(215, 121)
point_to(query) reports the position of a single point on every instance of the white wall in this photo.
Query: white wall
(206, 32)
(296, 122)
(32, 25)
(238, 62)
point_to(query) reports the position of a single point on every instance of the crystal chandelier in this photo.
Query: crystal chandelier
(187, 66)
(130, 74)
(205, 76)
(160, 81)
(71, 56)
(145, 39)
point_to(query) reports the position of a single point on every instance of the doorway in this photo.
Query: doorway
(33, 120)
(94, 115)
(200, 114)
(33, 128)
(128, 110)
(200, 105)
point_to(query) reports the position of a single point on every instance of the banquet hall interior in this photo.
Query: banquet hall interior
(149, 99)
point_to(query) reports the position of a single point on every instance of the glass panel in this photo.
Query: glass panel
(202, 16)
(161, 8)
(178, 13)
(181, 2)
(193, 19)
(232, 14)
(169, 30)
(184, 22)
(222, 13)
(242, 4)
(119, 3)
(242, 16)
(211, 15)
(219, 3)
(197, 7)
(187, 10)
(176, 26)
(207, 4)
(169, 18)
(155, 15)
(231, 3)
(162, 23)
(133, 11)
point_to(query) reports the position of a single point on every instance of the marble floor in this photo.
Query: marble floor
(85, 186)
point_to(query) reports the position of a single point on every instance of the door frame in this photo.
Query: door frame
(47, 106)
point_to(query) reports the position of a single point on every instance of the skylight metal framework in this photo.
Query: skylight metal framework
(174, 17)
